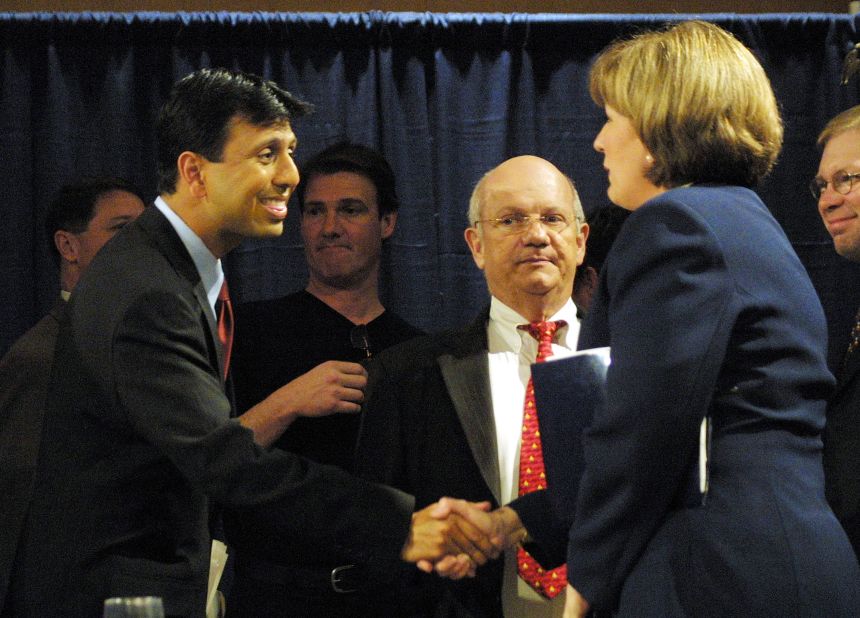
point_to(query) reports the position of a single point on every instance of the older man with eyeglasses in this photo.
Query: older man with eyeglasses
(837, 189)
(446, 415)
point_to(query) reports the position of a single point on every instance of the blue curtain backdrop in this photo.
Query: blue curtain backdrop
(444, 96)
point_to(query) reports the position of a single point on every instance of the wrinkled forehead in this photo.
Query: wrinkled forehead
(526, 197)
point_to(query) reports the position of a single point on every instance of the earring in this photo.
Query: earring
(649, 159)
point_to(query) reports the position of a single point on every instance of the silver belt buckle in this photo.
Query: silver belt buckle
(337, 579)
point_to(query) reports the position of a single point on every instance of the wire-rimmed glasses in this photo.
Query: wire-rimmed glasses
(516, 223)
(842, 182)
(360, 339)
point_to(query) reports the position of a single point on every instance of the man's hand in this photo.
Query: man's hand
(329, 388)
(502, 527)
(575, 605)
(440, 534)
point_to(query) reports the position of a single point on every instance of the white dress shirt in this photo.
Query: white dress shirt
(208, 266)
(511, 353)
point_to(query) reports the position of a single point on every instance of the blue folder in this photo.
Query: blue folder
(568, 393)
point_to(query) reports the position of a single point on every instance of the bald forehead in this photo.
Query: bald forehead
(526, 178)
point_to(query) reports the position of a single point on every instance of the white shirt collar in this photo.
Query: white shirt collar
(208, 266)
(502, 332)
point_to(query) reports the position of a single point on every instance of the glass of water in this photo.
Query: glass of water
(134, 607)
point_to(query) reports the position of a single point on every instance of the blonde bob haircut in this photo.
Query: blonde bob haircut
(699, 101)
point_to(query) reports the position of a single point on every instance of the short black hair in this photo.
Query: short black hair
(197, 115)
(73, 207)
(357, 159)
(603, 226)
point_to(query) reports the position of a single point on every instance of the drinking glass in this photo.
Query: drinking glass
(133, 607)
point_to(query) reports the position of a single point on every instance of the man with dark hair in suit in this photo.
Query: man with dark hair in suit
(837, 190)
(446, 414)
(81, 218)
(348, 209)
(138, 437)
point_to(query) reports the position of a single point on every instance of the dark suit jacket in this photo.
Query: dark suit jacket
(708, 311)
(429, 429)
(842, 450)
(138, 439)
(25, 371)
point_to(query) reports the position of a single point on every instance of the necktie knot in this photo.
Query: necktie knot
(544, 332)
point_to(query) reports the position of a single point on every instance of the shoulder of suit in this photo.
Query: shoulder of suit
(421, 353)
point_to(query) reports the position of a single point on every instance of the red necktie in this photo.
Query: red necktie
(225, 324)
(532, 478)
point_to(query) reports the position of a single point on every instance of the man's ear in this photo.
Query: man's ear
(473, 239)
(190, 167)
(386, 224)
(68, 245)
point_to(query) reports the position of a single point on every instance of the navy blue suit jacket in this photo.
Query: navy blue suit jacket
(708, 311)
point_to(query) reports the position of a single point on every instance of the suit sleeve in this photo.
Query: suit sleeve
(163, 380)
(548, 534)
(666, 299)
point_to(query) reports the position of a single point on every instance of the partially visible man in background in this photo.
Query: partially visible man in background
(603, 226)
(81, 218)
(348, 207)
(837, 189)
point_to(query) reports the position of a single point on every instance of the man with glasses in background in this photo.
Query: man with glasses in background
(446, 414)
(348, 209)
(837, 189)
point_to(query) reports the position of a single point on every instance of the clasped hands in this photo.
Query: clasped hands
(454, 537)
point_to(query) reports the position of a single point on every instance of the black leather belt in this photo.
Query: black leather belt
(343, 579)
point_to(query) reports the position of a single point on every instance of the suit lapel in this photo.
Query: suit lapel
(466, 375)
(170, 245)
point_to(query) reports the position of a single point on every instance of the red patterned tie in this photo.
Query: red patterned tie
(532, 477)
(225, 324)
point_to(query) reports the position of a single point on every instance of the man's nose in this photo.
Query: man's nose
(535, 232)
(287, 177)
(330, 222)
(829, 198)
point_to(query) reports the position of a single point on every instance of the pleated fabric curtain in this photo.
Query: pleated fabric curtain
(444, 96)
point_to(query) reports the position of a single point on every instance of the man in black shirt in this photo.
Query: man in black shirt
(348, 208)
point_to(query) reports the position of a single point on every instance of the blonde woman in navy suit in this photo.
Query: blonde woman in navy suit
(709, 313)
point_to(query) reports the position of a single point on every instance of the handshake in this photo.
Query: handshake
(453, 537)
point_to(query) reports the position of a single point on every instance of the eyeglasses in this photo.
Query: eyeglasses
(842, 182)
(518, 223)
(359, 338)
